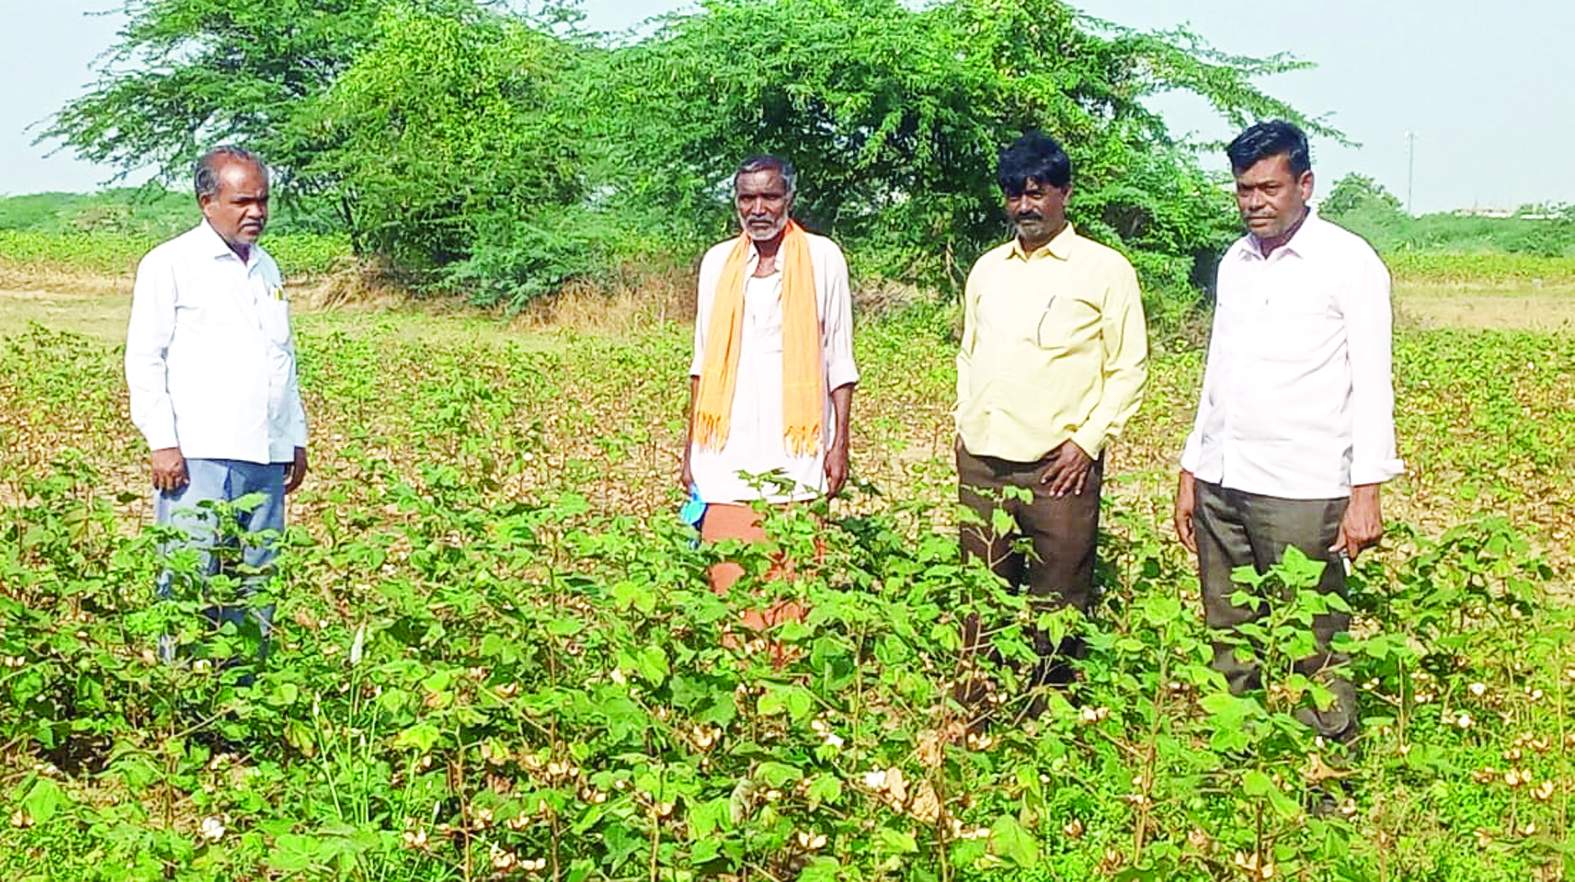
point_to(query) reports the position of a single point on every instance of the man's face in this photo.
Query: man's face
(763, 203)
(239, 211)
(1038, 212)
(1271, 197)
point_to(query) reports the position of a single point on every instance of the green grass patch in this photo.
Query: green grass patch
(118, 254)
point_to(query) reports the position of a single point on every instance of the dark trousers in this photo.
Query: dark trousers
(1062, 533)
(1238, 529)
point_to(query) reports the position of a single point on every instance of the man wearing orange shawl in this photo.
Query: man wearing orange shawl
(771, 383)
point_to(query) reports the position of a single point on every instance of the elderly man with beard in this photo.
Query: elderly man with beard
(1051, 367)
(771, 383)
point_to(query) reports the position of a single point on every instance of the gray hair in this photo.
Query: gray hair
(206, 178)
(767, 162)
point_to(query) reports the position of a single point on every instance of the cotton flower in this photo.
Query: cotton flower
(212, 829)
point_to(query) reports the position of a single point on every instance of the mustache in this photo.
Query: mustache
(1027, 216)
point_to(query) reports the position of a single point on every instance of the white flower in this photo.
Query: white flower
(212, 829)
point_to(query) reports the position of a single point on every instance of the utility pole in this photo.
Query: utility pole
(1410, 172)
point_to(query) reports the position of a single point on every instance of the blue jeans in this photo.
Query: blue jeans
(224, 480)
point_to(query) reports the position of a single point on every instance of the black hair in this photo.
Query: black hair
(767, 162)
(205, 177)
(1275, 137)
(1035, 156)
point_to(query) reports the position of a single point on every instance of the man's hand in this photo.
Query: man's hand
(686, 476)
(1363, 524)
(1186, 504)
(169, 470)
(836, 467)
(1068, 470)
(295, 472)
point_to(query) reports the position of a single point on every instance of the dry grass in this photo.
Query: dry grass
(1535, 308)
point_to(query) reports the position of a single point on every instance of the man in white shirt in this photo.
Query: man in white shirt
(771, 382)
(210, 364)
(1295, 427)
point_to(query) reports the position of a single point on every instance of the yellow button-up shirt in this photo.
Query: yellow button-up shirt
(1054, 346)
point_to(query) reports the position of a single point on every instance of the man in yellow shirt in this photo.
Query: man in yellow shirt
(1052, 365)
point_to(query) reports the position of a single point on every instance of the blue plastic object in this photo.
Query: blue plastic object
(693, 509)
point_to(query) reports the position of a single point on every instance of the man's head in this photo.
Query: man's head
(232, 188)
(1274, 178)
(1036, 176)
(763, 191)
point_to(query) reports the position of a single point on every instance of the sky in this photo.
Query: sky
(1478, 85)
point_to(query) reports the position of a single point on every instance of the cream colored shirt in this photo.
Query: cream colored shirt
(755, 443)
(1054, 347)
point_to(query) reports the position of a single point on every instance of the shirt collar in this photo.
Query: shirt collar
(213, 245)
(1303, 244)
(1060, 247)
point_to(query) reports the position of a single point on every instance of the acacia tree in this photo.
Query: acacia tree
(444, 126)
(186, 74)
(894, 116)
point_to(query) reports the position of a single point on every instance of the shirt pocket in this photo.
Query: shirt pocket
(273, 316)
(1064, 320)
(1295, 332)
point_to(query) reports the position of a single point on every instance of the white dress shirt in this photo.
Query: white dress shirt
(1297, 399)
(755, 442)
(209, 357)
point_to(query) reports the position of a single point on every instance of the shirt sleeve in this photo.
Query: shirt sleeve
(1369, 322)
(1124, 338)
(1192, 451)
(705, 288)
(837, 336)
(970, 331)
(298, 431)
(148, 337)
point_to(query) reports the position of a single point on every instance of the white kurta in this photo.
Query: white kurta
(755, 443)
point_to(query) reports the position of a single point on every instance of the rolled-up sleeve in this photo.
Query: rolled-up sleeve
(148, 337)
(1124, 339)
(837, 319)
(1369, 325)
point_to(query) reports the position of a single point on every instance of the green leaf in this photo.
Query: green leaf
(705, 851)
(820, 869)
(294, 853)
(1256, 783)
(889, 841)
(653, 665)
(419, 737)
(824, 789)
(778, 774)
(43, 799)
(1010, 841)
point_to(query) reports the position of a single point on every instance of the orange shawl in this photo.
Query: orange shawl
(803, 365)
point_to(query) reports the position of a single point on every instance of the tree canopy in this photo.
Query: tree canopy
(486, 147)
